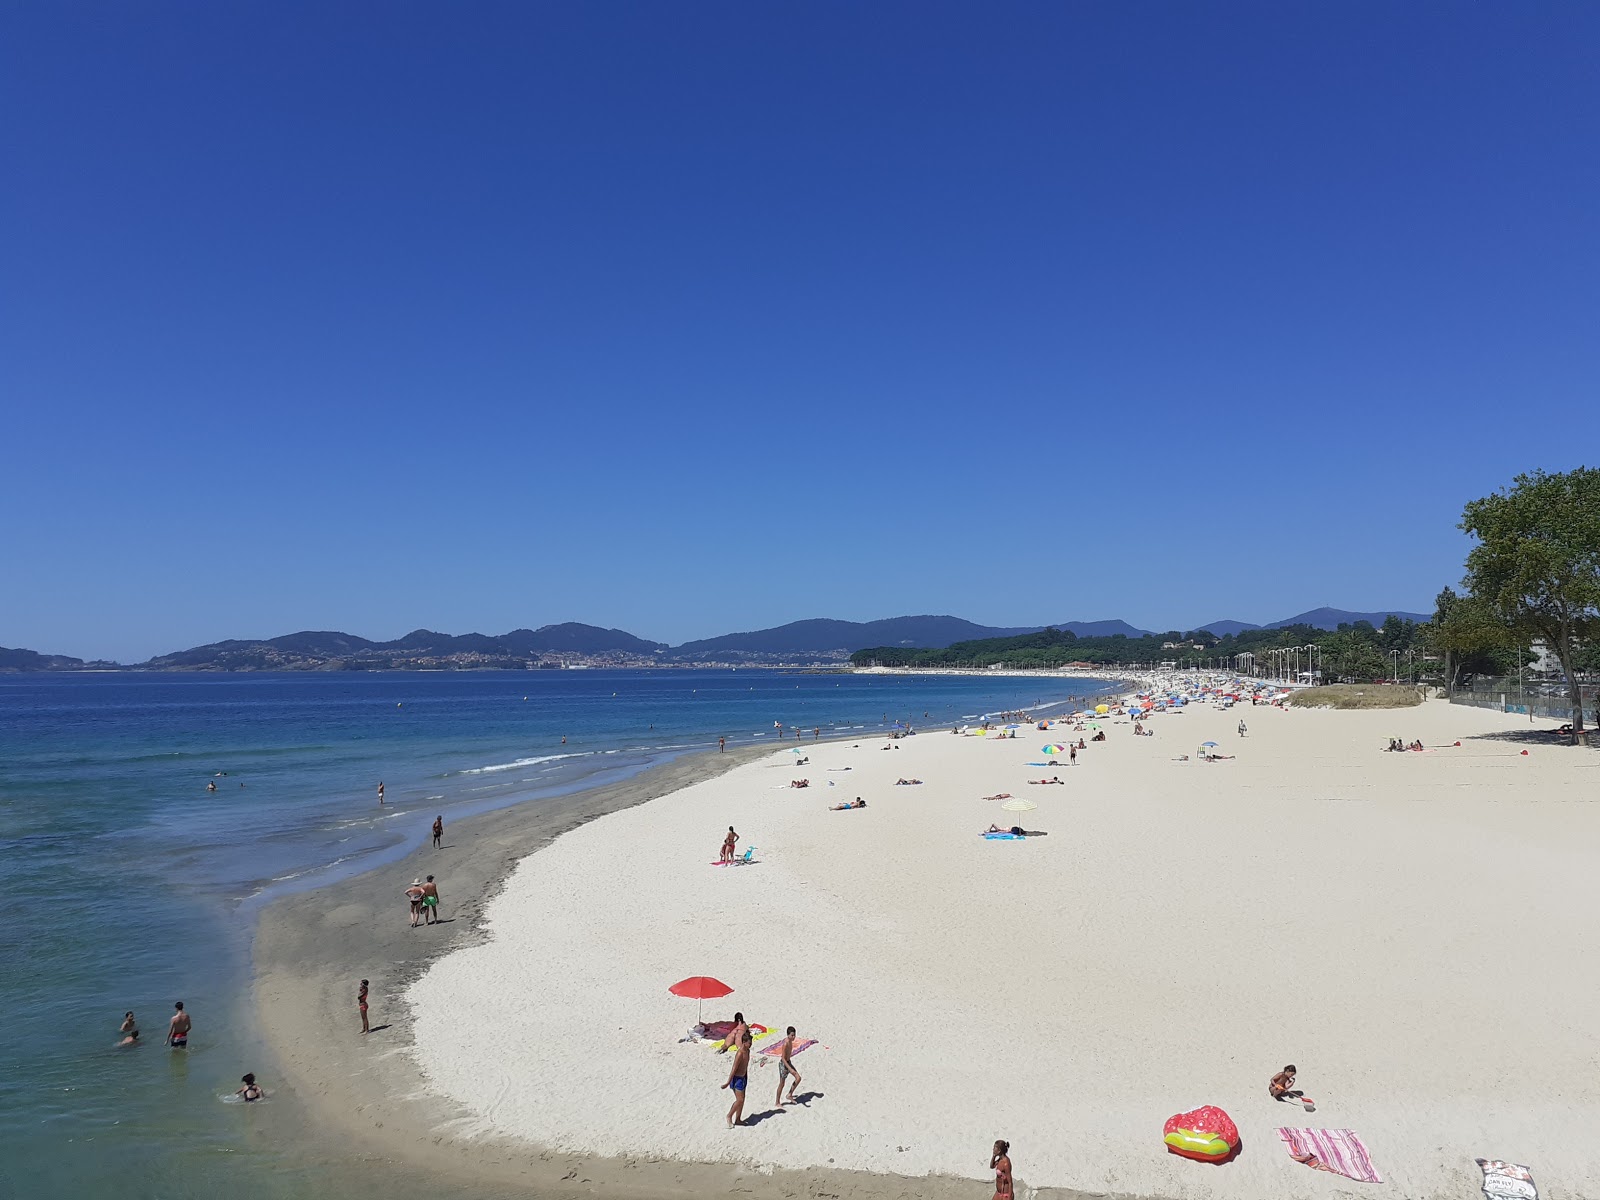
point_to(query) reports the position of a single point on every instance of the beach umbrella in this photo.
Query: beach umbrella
(1018, 805)
(1102, 709)
(701, 988)
(1052, 750)
(1207, 744)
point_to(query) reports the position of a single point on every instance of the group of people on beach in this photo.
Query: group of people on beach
(740, 1040)
(1395, 744)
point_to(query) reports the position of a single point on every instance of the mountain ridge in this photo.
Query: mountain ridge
(813, 639)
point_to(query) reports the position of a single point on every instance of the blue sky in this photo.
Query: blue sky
(701, 317)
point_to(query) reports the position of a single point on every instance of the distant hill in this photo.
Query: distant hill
(1092, 629)
(823, 637)
(799, 641)
(1332, 618)
(421, 648)
(1317, 618)
(32, 660)
(1224, 628)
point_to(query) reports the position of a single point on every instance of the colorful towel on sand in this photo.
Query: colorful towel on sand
(799, 1045)
(1003, 837)
(1336, 1150)
(717, 1032)
(1507, 1181)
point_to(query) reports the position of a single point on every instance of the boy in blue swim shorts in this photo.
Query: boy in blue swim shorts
(738, 1079)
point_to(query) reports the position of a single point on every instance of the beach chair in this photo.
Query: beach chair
(749, 855)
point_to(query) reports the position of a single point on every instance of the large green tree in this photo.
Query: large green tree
(1537, 562)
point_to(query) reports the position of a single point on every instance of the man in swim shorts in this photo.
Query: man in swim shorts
(430, 901)
(178, 1028)
(786, 1067)
(739, 1079)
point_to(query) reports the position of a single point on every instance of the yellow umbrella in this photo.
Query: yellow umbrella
(1102, 709)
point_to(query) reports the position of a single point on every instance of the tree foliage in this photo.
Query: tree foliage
(1537, 562)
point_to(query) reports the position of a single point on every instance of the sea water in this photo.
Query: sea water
(130, 884)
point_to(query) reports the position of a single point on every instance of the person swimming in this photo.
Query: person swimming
(251, 1090)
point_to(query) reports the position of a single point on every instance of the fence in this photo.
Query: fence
(1530, 697)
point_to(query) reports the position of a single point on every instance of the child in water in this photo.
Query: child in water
(251, 1090)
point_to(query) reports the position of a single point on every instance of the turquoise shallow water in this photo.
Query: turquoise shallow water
(131, 885)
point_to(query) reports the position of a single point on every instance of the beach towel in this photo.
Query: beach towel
(1339, 1151)
(1507, 1181)
(717, 1032)
(799, 1044)
(1003, 837)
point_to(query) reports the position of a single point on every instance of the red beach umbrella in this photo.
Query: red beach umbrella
(701, 988)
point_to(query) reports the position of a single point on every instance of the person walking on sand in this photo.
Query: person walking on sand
(438, 830)
(739, 1079)
(414, 893)
(178, 1028)
(361, 1003)
(380, 792)
(430, 901)
(786, 1067)
(1000, 1164)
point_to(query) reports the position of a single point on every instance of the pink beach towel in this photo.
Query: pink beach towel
(1339, 1150)
(799, 1045)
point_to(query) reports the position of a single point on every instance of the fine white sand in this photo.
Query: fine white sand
(1414, 931)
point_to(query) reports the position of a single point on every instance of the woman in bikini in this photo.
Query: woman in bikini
(414, 893)
(1000, 1164)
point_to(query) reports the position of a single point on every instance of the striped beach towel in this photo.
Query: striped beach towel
(799, 1044)
(1337, 1150)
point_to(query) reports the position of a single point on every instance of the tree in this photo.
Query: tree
(1537, 563)
(1471, 637)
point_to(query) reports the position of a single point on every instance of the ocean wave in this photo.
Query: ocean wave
(517, 765)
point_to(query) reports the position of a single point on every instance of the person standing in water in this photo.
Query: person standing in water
(130, 1030)
(438, 830)
(739, 1079)
(380, 791)
(361, 1003)
(1000, 1164)
(722, 745)
(786, 1067)
(178, 1028)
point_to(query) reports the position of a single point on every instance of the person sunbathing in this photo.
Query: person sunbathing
(906, 782)
(1052, 779)
(999, 796)
(1417, 745)
(799, 783)
(858, 802)
(1014, 831)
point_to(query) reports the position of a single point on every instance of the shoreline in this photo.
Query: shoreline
(360, 1099)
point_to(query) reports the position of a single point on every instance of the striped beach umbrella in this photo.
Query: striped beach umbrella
(1052, 749)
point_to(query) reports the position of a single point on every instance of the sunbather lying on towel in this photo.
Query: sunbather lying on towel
(858, 802)
(906, 782)
(799, 783)
(1015, 830)
(999, 796)
(1052, 779)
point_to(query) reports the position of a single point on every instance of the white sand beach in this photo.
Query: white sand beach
(1412, 930)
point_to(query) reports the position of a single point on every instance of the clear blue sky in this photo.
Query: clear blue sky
(689, 318)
